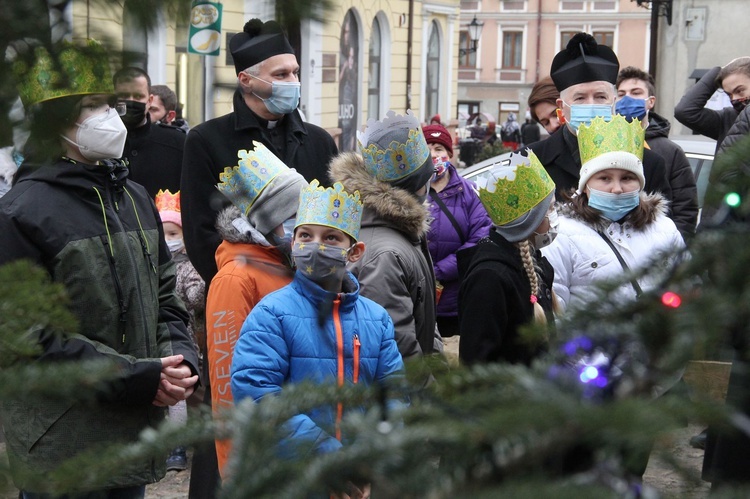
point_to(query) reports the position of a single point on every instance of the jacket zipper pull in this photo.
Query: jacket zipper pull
(357, 346)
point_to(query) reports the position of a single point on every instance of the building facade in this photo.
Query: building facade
(520, 38)
(366, 57)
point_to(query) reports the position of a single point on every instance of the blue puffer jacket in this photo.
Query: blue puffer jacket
(281, 343)
(443, 240)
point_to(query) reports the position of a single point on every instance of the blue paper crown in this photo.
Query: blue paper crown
(331, 207)
(399, 159)
(255, 171)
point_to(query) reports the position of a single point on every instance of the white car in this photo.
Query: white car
(698, 149)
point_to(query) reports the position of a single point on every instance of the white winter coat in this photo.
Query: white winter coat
(582, 258)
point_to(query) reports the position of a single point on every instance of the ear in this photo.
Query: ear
(650, 102)
(245, 80)
(171, 115)
(559, 103)
(357, 251)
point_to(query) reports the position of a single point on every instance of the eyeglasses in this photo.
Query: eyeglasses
(120, 107)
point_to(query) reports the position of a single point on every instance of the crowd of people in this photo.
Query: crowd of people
(225, 261)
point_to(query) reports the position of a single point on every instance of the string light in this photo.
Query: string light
(671, 299)
(733, 199)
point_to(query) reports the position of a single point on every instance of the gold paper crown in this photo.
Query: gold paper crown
(515, 188)
(166, 201)
(80, 71)
(398, 159)
(601, 137)
(256, 169)
(330, 207)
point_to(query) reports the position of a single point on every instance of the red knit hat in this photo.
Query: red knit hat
(438, 134)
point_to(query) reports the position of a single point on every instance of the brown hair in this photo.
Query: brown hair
(543, 91)
(632, 72)
(639, 217)
(738, 65)
(524, 248)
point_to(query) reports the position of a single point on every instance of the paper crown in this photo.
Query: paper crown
(515, 188)
(601, 137)
(255, 171)
(331, 207)
(166, 201)
(399, 158)
(81, 71)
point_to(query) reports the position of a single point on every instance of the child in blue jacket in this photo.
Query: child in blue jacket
(310, 328)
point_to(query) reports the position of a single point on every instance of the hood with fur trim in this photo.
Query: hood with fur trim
(652, 204)
(227, 230)
(383, 202)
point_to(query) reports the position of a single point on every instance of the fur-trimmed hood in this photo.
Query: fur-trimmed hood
(383, 203)
(651, 206)
(228, 231)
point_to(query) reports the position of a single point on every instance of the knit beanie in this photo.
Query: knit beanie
(277, 202)
(617, 159)
(438, 134)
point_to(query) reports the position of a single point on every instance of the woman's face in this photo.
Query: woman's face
(614, 181)
(439, 151)
(547, 114)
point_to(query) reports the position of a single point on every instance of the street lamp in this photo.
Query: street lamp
(475, 31)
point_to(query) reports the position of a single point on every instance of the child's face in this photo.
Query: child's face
(322, 234)
(172, 231)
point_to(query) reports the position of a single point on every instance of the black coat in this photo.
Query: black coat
(213, 146)
(692, 112)
(560, 157)
(494, 301)
(684, 205)
(154, 154)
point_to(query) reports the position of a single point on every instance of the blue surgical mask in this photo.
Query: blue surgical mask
(631, 108)
(584, 113)
(284, 97)
(614, 206)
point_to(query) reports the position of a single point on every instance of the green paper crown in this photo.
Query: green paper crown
(516, 188)
(608, 136)
(331, 207)
(81, 71)
(255, 171)
(399, 159)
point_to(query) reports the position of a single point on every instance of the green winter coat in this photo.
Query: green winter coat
(100, 236)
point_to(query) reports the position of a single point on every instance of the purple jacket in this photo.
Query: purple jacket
(444, 241)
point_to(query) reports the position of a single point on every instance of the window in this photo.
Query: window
(135, 45)
(432, 87)
(603, 5)
(566, 35)
(513, 5)
(604, 38)
(512, 49)
(373, 82)
(469, 58)
(571, 5)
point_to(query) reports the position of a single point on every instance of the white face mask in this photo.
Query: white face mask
(175, 245)
(101, 136)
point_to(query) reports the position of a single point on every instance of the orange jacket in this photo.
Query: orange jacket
(247, 273)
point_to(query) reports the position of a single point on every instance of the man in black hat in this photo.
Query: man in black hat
(265, 110)
(585, 74)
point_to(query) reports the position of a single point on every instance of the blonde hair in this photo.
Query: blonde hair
(524, 248)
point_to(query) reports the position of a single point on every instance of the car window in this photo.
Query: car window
(701, 178)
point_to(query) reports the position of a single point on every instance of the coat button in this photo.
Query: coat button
(548, 294)
(594, 265)
(134, 153)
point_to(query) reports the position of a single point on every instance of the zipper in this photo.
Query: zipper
(116, 278)
(339, 364)
(132, 259)
(357, 345)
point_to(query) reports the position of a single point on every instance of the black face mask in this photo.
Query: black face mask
(135, 113)
(739, 104)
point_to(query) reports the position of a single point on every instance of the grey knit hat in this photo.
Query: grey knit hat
(277, 202)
